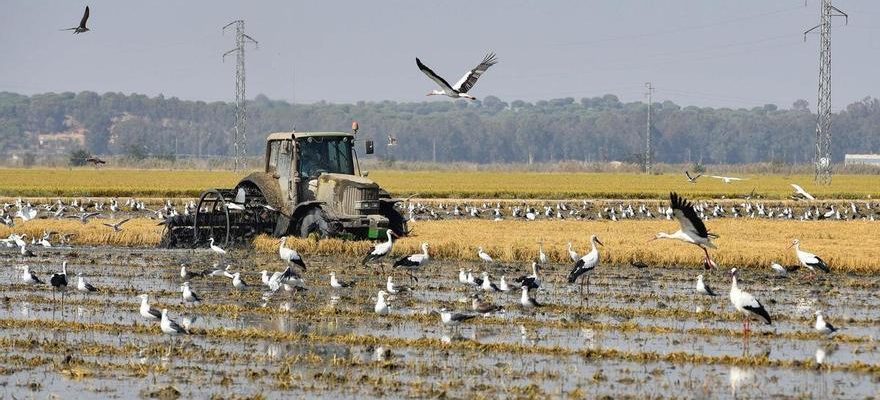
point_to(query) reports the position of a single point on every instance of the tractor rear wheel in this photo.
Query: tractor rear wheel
(396, 222)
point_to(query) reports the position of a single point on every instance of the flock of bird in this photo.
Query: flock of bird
(692, 230)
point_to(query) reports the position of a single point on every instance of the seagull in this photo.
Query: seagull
(702, 288)
(216, 248)
(462, 276)
(464, 85)
(380, 250)
(692, 179)
(336, 284)
(414, 262)
(188, 294)
(809, 260)
(746, 303)
(692, 228)
(453, 318)
(82, 24)
(502, 284)
(187, 275)
(28, 277)
(237, 282)
(169, 326)
(586, 264)
(727, 179)
(483, 307)
(822, 326)
(147, 311)
(780, 270)
(381, 307)
(290, 255)
(488, 285)
(528, 301)
(484, 256)
(84, 217)
(82, 285)
(393, 289)
(117, 227)
(800, 193)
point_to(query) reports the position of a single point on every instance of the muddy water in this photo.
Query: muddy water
(632, 332)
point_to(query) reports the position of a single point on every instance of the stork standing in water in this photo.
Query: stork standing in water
(380, 250)
(414, 262)
(533, 281)
(464, 85)
(692, 230)
(290, 255)
(747, 304)
(809, 260)
(585, 265)
(59, 281)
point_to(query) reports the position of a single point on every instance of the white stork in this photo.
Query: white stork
(727, 179)
(414, 262)
(464, 85)
(800, 193)
(380, 250)
(290, 255)
(484, 256)
(692, 228)
(586, 264)
(809, 260)
(573, 255)
(745, 303)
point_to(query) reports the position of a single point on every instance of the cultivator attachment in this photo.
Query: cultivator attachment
(230, 216)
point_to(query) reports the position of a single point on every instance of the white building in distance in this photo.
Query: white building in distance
(862, 159)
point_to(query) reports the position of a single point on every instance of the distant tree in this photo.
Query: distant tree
(801, 105)
(78, 157)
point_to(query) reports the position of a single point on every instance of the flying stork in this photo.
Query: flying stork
(800, 193)
(82, 24)
(461, 88)
(727, 179)
(692, 228)
(692, 179)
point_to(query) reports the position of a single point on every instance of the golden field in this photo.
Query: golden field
(852, 246)
(111, 182)
(437, 184)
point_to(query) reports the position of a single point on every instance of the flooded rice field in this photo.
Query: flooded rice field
(640, 333)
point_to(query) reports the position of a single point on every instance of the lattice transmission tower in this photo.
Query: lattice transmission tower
(822, 159)
(239, 132)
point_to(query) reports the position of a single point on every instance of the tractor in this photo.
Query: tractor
(311, 185)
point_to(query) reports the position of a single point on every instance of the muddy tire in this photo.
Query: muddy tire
(314, 222)
(396, 222)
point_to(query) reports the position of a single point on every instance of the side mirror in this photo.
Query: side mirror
(369, 147)
(365, 174)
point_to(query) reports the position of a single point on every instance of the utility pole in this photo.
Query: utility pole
(648, 153)
(823, 108)
(239, 138)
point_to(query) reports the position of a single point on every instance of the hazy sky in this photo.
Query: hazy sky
(715, 53)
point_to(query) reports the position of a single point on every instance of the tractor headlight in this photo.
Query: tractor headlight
(367, 205)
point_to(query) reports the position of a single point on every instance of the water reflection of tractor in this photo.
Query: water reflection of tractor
(311, 185)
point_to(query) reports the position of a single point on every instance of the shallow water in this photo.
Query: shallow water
(636, 333)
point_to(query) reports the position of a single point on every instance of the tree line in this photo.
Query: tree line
(484, 131)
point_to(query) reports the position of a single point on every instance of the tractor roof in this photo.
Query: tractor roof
(298, 135)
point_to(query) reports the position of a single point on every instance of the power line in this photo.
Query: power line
(823, 119)
(239, 138)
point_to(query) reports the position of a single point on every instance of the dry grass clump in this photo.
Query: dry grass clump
(137, 232)
(850, 246)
